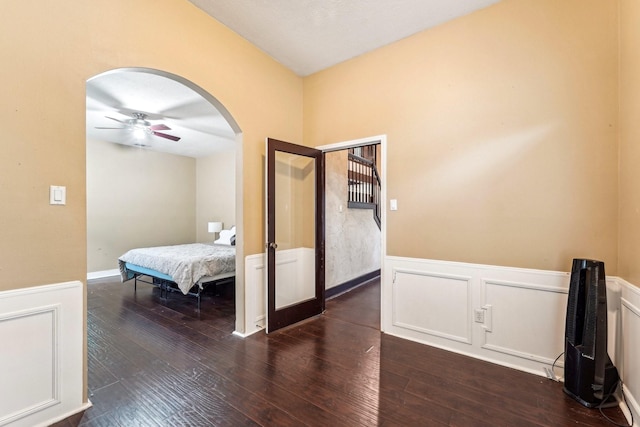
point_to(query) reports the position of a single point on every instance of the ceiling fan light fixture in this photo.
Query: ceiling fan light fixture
(140, 127)
(139, 132)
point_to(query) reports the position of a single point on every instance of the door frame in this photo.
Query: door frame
(382, 140)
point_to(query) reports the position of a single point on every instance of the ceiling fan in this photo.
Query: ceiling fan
(140, 127)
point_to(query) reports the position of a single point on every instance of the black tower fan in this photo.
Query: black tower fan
(589, 375)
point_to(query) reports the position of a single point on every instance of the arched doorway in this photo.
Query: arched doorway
(138, 192)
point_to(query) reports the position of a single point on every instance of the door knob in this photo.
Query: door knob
(272, 245)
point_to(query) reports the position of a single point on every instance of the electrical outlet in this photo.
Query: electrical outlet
(478, 315)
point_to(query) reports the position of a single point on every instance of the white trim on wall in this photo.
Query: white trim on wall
(104, 274)
(433, 303)
(627, 349)
(291, 266)
(256, 306)
(514, 317)
(42, 357)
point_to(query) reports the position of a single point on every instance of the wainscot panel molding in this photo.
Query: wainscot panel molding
(437, 304)
(509, 316)
(292, 266)
(254, 268)
(537, 307)
(626, 331)
(42, 355)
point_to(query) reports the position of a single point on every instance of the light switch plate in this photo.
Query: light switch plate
(57, 195)
(393, 204)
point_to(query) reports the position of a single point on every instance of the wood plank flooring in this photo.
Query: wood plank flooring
(158, 362)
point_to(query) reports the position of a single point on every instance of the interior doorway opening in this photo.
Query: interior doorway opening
(337, 278)
(160, 186)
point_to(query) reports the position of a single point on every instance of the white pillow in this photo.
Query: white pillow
(226, 237)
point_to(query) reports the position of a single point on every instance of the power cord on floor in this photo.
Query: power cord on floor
(613, 389)
(624, 399)
(553, 365)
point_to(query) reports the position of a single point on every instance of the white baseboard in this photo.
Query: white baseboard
(66, 415)
(43, 370)
(103, 274)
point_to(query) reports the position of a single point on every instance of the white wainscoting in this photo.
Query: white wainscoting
(523, 319)
(293, 266)
(627, 333)
(433, 303)
(509, 316)
(514, 317)
(255, 304)
(41, 330)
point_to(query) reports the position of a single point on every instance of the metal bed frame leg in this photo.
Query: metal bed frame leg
(165, 287)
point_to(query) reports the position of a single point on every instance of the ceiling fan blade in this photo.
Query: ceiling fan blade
(117, 120)
(102, 127)
(159, 127)
(164, 135)
(102, 95)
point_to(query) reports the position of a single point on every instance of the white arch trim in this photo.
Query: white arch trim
(240, 326)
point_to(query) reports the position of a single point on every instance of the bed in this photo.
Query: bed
(187, 268)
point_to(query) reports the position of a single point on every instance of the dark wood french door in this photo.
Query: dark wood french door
(295, 233)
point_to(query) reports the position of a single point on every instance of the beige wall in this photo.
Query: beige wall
(629, 262)
(215, 192)
(502, 126)
(502, 132)
(136, 198)
(49, 50)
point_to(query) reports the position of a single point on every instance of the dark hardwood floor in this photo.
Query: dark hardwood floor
(155, 362)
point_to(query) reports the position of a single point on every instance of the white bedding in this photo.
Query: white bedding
(186, 264)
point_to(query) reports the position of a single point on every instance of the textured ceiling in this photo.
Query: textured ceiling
(310, 35)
